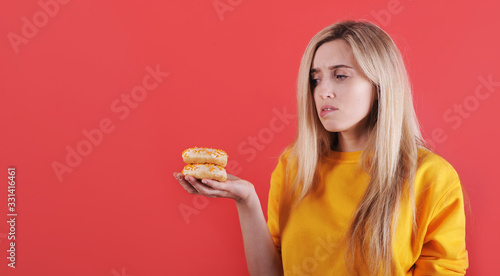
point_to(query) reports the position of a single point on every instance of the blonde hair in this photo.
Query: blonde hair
(390, 154)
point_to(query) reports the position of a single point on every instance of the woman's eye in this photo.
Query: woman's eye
(315, 81)
(341, 77)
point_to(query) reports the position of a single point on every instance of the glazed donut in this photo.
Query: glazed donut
(205, 156)
(209, 171)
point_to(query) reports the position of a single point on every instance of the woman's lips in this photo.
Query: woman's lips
(327, 109)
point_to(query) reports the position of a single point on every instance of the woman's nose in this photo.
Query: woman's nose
(326, 91)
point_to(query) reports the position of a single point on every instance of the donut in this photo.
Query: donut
(205, 156)
(209, 171)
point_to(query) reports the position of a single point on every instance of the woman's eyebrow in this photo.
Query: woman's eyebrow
(314, 70)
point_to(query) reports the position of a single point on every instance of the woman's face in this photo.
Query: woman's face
(343, 96)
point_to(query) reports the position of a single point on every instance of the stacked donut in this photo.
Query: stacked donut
(205, 163)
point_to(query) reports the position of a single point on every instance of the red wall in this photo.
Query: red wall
(71, 70)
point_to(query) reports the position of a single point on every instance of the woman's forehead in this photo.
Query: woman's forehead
(333, 53)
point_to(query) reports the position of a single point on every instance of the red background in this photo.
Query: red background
(118, 212)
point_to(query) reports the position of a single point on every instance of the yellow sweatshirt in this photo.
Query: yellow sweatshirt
(309, 237)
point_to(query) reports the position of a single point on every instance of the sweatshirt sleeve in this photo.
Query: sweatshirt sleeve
(443, 251)
(273, 204)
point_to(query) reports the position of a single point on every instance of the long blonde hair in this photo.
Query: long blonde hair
(390, 154)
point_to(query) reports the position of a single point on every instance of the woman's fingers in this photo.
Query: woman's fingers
(210, 188)
(234, 187)
(215, 184)
(185, 184)
(232, 177)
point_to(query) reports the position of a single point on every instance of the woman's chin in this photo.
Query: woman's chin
(331, 128)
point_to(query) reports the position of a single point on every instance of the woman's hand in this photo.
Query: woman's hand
(234, 187)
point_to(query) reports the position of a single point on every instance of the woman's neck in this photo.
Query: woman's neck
(350, 144)
(353, 139)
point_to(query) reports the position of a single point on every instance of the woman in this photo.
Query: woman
(358, 192)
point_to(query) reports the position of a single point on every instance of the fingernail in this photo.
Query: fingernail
(204, 181)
